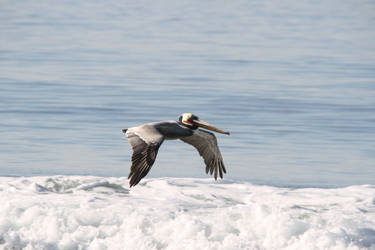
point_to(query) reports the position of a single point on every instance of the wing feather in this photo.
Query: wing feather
(206, 144)
(145, 142)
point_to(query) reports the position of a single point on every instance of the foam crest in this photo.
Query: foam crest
(81, 212)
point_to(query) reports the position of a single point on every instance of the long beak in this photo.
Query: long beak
(206, 125)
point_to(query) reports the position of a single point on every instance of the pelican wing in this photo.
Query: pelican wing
(206, 144)
(145, 141)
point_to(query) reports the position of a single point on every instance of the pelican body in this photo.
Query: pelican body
(146, 139)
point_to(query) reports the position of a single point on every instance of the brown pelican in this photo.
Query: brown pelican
(146, 140)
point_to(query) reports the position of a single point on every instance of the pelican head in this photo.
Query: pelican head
(192, 121)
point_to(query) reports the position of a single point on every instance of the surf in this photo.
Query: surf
(88, 212)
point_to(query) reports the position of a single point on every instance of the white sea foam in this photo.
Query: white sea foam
(75, 212)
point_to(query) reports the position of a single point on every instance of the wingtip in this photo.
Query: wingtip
(132, 184)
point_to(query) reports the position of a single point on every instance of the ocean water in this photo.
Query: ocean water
(293, 81)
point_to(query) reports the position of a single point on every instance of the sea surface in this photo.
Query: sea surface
(293, 81)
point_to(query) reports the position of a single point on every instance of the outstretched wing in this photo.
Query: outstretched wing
(206, 144)
(145, 141)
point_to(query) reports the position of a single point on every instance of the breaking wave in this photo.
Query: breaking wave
(81, 212)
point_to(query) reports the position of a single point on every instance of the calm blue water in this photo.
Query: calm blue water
(293, 81)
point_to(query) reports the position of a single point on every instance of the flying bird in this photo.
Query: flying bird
(146, 139)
